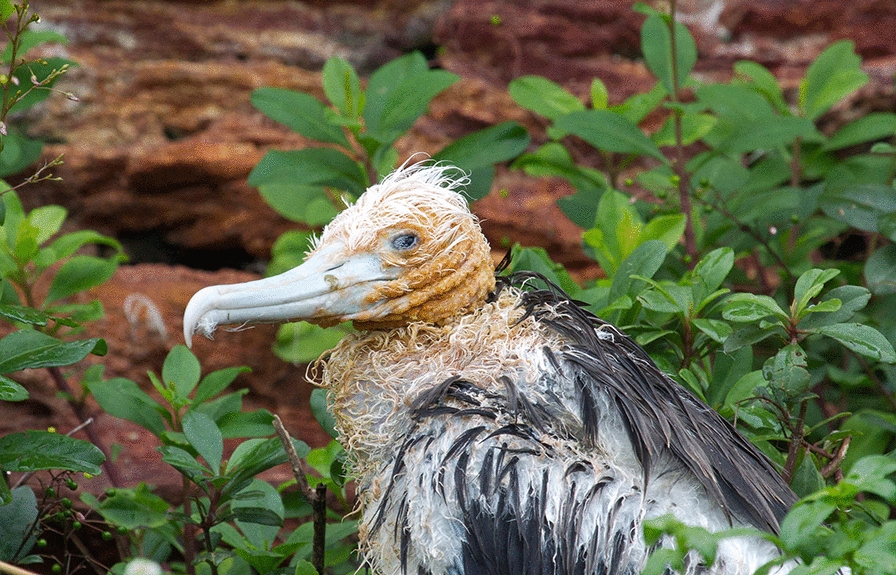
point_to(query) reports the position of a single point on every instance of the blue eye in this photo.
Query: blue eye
(405, 241)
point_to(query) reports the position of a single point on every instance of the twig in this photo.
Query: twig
(13, 570)
(796, 442)
(295, 462)
(82, 414)
(834, 465)
(317, 496)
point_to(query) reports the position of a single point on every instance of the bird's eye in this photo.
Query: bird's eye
(405, 241)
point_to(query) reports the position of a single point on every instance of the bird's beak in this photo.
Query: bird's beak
(329, 287)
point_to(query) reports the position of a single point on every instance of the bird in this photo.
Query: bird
(494, 425)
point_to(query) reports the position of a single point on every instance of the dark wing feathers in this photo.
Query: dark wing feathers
(658, 413)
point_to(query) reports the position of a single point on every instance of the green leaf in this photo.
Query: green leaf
(6, 9)
(835, 74)
(48, 220)
(300, 203)
(256, 423)
(205, 437)
(763, 81)
(538, 260)
(610, 131)
(803, 522)
(543, 97)
(486, 147)
(31, 38)
(636, 108)
(300, 112)
(342, 87)
(744, 387)
(67, 244)
(260, 455)
(303, 342)
(716, 330)
(39, 450)
(135, 508)
(123, 398)
(787, 369)
(184, 462)
(11, 391)
(321, 413)
(644, 261)
(768, 133)
(400, 92)
(303, 567)
(809, 285)
(714, 267)
(880, 271)
(181, 370)
(875, 126)
(18, 518)
(693, 127)
(668, 229)
(23, 314)
(852, 298)
(862, 339)
(216, 382)
(309, 167)
(656, 45)
(31, 349)
(747, 307)
(600, 97)
(859, 205)
(80, 273)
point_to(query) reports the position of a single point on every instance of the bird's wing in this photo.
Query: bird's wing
(661, 417)
(471, 491)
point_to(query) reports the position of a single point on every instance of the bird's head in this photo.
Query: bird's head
(409, 250)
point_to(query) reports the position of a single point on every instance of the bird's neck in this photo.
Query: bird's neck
(374, 377)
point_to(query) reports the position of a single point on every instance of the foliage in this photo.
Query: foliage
(233, 517)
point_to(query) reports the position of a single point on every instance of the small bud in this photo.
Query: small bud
(66, 502)
(111, 492)
(3, 128)
(51, 429)
(795, 218)
(15, 80)
(72, 97)
(76, 525)
(629, 182)
(772, 230)
(504, 192)
(675, 180)
(70, 483)
(495, 20)
(50, 492)
(56, 568)
(41, 542)
(34, 80)
(88, 475)
(107, 536)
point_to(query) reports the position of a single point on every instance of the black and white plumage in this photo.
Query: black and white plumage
(493, 429)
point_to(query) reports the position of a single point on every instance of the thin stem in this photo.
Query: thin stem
(680, 160)
(83, 415)
(796, 441)
(189, 531)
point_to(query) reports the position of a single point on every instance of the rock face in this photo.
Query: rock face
(159, 146)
